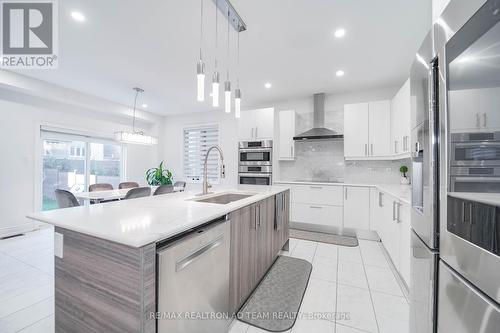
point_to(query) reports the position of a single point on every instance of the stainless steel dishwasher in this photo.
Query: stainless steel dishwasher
(193, 281)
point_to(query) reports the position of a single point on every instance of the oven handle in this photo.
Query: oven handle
(476, 144)
(474, 179)
(262, 175)
(255, 150)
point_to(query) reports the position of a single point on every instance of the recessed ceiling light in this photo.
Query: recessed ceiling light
(268, 85)
(339, 33)
(77, 16)
(145, 105)
(339, 73)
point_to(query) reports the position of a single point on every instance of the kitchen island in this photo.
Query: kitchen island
(106, 267)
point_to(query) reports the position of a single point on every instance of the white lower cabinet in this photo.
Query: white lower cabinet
(317, 204)
(391, 220)
(356, 207)
(317, 214)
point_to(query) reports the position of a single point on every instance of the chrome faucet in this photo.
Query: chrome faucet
(206, 184)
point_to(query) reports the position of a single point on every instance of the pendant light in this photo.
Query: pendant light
(227, 84)
(237, 92)
(216, 75)
(135, 137)
(200, 66)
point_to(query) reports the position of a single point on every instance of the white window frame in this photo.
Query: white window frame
(199, 126)
(65, 133)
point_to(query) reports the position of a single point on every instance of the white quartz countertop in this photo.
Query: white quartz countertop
(139, 222)
(485, 198)
(401, 192)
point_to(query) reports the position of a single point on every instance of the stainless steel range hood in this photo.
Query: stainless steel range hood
(319, 131)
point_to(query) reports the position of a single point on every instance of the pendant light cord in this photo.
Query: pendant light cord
(216, 29)
(201, 26)
(135, 103)
(228, 17)
(238, 61)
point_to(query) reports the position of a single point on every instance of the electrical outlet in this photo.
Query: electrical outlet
(58, 244)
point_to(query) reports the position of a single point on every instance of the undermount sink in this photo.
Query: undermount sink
(224, 198)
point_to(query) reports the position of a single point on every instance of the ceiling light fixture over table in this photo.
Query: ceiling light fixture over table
(135, 137)
(339, 33)
(77, 16)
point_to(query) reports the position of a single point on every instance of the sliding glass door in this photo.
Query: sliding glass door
(73, 162)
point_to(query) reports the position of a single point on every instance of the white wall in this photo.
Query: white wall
(18, 133)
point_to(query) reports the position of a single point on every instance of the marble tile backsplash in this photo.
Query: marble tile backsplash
(324, 161)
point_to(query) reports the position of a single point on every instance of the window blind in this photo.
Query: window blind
(197, 141)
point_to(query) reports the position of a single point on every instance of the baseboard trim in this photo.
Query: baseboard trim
(18, 229)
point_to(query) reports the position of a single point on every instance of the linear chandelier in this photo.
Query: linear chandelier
(234, 20)
(135, 137)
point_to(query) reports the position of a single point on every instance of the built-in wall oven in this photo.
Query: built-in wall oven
(255, 165)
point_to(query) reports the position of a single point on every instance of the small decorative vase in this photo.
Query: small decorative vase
(405, 181)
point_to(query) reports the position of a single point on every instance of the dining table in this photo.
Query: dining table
(107, 195)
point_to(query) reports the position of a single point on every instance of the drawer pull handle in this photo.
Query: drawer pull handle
(187, 260)
(317, 187)
(316, 207)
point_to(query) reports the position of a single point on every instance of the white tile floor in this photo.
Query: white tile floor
(357, 283)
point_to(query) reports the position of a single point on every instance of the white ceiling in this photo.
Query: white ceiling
(154, 44)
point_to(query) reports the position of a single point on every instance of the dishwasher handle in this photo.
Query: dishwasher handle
(187, 260)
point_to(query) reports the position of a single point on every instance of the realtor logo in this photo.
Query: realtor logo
(29, 34)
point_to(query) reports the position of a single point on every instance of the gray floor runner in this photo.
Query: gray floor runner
(275, 303)
(324, 238)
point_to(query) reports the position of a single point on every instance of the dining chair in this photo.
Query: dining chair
(180, 183)
(138, 192)
(164, 189)
(100, 187)
(123, 185)
(66, 199)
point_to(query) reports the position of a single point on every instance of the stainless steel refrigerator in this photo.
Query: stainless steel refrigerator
(455, 91)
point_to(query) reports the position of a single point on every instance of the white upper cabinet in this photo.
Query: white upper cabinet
(474, 109)
(286, 134)
(379, 119)
(356, 204)
(356, 130)
(367, 130)
(256, 124)
(400, 121)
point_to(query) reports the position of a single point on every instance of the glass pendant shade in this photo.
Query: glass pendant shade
(237, 103)
(215, 89)
(200, 70)
(227, 95)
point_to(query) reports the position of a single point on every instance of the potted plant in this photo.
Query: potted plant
(404, 179)
(159, 176)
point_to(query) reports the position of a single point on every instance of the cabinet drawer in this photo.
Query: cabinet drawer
(318, 195)
(317, 214)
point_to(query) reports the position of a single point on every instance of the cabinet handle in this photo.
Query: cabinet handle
(371, 147)
(398, 212)
(394, 210)
(345, 193)
(396, 146)
(317, 187)
(477, 120)
(484, 119)
(405, 143)
(316, 207)
(256, 131)
(380, 199)
(291, 151)
(252, 132)
(366, 149)
(256, 216)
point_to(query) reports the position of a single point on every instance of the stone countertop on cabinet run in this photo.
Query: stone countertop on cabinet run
(401, 192)
(139, 222)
